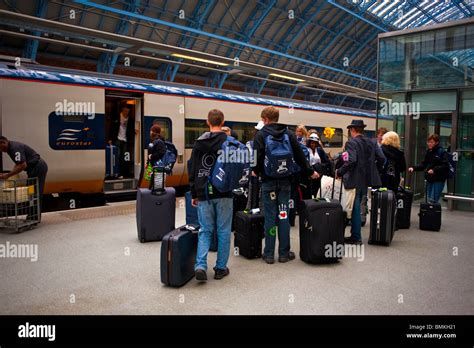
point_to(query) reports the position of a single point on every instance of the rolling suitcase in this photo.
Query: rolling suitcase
(240, 198)
(382, 217)
(404, 202)
(430, 215)
(248, 234)
(111, 161)
(249, 227)
(192, 218)
(178, 255)
(322, 225)
(155, 214)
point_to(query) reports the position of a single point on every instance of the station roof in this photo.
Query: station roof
(320, 51)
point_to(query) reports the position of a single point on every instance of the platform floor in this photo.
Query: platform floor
(83, 268)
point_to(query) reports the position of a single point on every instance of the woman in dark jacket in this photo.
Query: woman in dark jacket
(318, 160)
(395, 161)
(436, 168)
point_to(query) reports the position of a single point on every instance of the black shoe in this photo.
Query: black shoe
(291, 256)
(201, 275)
(350, 240)
(220, 273)
(268, 259)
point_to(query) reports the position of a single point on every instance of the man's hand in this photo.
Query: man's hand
(195, 202)
(431, 172)
(253, 173)
(315, 175)
(337, 175)
(411, 170)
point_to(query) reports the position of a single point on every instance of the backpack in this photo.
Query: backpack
(296, 167)
(232, 163)
(278, 161)
(169, 158)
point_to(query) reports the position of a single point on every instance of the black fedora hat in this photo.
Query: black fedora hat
(357, 123)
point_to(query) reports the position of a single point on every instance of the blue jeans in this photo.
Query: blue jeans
(434, 189)
(276, 198)
(356, 220)
(214, 214)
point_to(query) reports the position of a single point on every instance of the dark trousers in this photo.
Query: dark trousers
(123, 148)
(39, 171)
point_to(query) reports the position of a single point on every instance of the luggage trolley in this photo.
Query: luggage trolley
(19, 204)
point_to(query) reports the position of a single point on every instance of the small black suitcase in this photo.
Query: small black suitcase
(155, 214)
(178, 255)
(248, 234)
(192, 218)
(382, 217)
(430, 216)
(404, 203)
(322, 225)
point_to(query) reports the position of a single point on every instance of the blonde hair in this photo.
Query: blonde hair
(303, 130)
(391, 139)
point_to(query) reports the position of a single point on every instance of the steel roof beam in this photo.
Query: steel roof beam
(223, 38)
(31, 48)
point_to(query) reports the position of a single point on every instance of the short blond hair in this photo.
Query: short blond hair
(391, 139)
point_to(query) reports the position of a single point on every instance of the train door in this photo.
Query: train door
(123, 158)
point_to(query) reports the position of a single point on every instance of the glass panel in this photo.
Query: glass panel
(435, 101)
(440, 58)
(464, 179)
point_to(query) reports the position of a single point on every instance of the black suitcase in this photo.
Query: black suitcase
(248, 234)
(430, 216)
(404, 202)
(240, 198)
(178, 255)
(322, 225)
(382, 217)
(155, 214)
(192, 218)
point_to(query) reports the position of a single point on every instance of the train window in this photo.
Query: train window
(165, 124)
(245, 130)
(193, 130)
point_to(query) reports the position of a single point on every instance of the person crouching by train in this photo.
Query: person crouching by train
(318, 160)
(27, 159)
(214, 207)
(276, 181)
(436, 168)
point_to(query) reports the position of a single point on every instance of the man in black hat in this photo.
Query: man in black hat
(361, 170)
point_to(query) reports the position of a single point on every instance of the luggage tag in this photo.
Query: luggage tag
(191, 227)
(209, 188)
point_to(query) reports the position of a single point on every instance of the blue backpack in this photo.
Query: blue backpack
(297, 168)
(169, 158)
(232, 163)
(278, 161)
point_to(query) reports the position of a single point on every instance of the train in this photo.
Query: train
(66, 116)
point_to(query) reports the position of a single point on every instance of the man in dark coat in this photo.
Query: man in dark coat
(361, 170)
